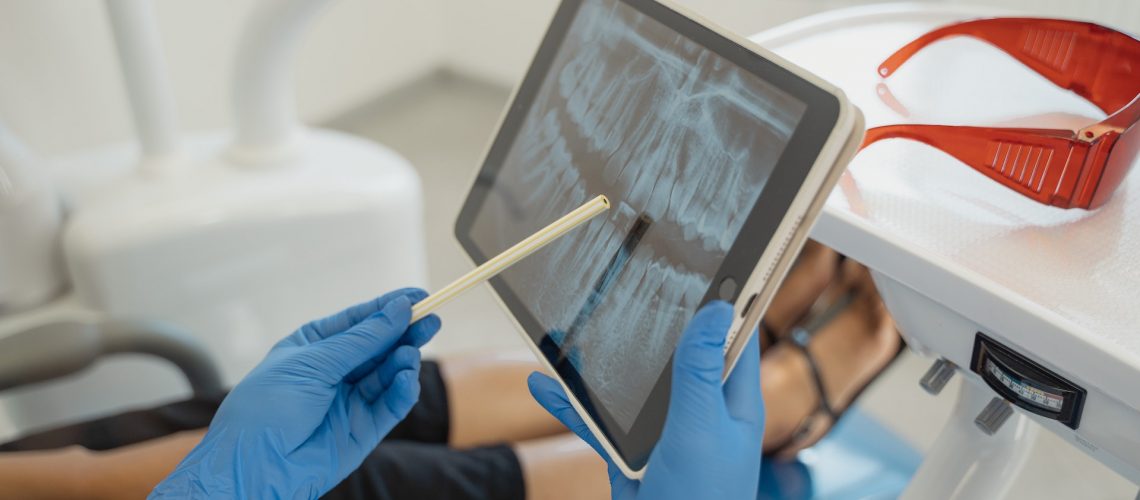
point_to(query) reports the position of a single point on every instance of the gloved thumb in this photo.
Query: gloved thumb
(698, 363)
(551, 397)
(376, 336)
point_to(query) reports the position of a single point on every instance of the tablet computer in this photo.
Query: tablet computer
(716, 156)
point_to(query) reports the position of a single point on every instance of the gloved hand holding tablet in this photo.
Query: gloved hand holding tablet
(710, 447)
(716, 156)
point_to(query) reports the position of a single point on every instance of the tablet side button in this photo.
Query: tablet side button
(748, 306)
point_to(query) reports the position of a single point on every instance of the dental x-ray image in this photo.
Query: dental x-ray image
(682, 141)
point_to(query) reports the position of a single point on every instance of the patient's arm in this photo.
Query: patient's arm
(75, 472)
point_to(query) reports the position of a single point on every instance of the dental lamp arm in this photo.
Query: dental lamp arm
(263, 99)
(147, 84)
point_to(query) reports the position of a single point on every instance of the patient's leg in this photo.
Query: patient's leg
(562, 467)
(552, 468)
(488, 400)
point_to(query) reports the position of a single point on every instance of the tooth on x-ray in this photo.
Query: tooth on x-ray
(606, 280)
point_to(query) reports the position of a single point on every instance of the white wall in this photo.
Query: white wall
(60, 89)
(495, 39)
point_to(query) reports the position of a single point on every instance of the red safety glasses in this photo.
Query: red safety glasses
(1063, 168)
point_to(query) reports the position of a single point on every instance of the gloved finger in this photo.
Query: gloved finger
(341, 321)
(698, 364)
(370, 419)
(742, 389)
(551, 397)
(399, 398)
(417, 336)
(338, 355)
(374, 383)
(423, 330)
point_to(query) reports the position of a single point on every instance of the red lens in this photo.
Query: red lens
(1124, 156)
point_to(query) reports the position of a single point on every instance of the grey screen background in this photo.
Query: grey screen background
(667, 130)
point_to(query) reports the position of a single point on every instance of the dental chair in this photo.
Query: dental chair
(55, 351)
(858, 459)
(60, 349)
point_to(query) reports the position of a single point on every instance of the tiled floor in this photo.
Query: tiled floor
(443, 125)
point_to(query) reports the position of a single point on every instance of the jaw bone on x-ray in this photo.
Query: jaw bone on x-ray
(682, 141)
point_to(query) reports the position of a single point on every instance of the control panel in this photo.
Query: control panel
(1027, 384)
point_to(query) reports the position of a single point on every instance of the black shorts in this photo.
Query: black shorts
(413, 461)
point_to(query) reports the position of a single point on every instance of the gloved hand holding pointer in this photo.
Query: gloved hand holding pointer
(313, 409)
(326, 395)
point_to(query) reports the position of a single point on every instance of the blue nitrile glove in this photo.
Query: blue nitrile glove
(313, 409)
(710, 446)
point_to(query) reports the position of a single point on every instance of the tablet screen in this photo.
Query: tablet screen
(683, 142)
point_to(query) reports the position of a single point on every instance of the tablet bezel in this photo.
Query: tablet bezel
(796, 163)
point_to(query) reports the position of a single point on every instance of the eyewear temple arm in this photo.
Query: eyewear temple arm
(1123, 129)
(1041, 164)
(1098, 63)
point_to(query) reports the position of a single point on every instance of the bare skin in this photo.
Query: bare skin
(850, 351)
(814, 271)
(513, 417)
(36, 475)
(562, 467)
(489, 402)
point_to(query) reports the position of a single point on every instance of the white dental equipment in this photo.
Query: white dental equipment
(236, 237)
(30, 217)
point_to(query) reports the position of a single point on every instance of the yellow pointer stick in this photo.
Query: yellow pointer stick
(508, 258)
